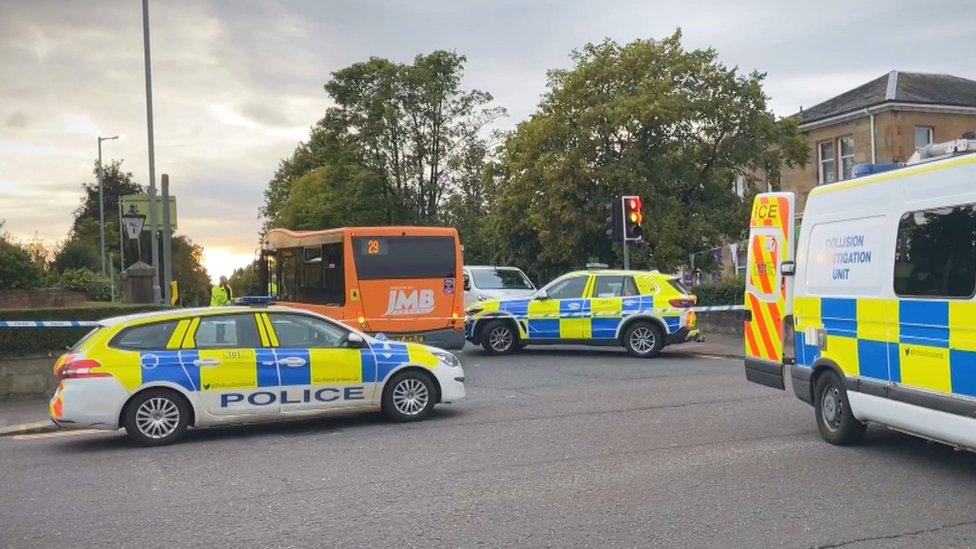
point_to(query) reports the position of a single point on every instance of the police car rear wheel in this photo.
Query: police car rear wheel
(643, 339)
(499, 338)
(835, 421)
(156, 417)
(409, 396)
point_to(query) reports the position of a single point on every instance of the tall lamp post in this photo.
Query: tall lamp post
(101, 201)
(153, 220)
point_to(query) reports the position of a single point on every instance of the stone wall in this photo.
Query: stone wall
(40, 299)
(724, 322)
(27, 377)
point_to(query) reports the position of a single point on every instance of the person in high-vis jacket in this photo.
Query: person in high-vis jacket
(221, 294)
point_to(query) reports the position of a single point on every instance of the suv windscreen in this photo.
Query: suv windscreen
(501, 279)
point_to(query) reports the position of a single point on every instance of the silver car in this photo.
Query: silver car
(483, 282)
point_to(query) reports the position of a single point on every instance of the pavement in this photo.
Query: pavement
(556, 446)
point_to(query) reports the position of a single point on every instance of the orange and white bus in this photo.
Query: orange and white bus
(402, 281)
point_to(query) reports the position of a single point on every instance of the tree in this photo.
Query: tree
(395, 136)
(246, 280)
(80, 250)
(189, 271)
(18, 270)
(648, 118)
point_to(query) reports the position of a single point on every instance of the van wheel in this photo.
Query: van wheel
(643, 339)
(499, 338)
(835, 421)
(156, 417)
(409, 396)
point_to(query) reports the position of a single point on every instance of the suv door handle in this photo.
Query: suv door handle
(206, 362)
(292, 361)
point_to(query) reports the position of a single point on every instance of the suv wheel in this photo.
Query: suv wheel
(643, 339)
(499, 337)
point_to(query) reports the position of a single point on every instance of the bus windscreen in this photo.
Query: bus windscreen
(384, 257)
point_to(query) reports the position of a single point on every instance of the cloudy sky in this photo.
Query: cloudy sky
(238, 83)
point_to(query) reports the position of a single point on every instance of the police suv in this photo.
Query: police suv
(643, 311)
(878, 295)
(156, 374)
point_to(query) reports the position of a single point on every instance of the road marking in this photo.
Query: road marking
(56, 434)
(712, 357)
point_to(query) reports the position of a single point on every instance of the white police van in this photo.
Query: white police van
(879, 298)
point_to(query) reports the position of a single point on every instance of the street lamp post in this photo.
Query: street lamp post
(152, 153)
(101, 201)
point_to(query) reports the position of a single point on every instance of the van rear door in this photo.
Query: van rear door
(767, 296)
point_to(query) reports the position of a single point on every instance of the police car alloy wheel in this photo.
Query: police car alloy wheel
(409, 396)
(643, 339)
(835, 421)
(156, 417)
(498, 338)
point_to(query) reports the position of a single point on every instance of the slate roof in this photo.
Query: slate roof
(900, 87)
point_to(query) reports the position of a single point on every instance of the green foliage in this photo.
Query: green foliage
(95, 286)
(78, 253)
(388, 152)
(729, 291)
(246, 280)
(81, 249)
(78, 257)
(648, 118)
(32, 341)
(18, 269)
(189, 271)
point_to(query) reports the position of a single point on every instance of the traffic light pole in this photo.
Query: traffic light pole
(626, 257)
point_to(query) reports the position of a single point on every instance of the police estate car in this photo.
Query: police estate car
(156, 374)
(641, 310)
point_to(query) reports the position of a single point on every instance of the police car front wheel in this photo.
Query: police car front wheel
(643, 339)
(409, 396)
(156, 417)
(835, 421)
(499, 338)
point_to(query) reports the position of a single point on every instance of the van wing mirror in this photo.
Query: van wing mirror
(788, 268)
(541, 295)
(467, 282)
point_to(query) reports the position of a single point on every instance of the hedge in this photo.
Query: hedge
(726, 292)
(33, 341)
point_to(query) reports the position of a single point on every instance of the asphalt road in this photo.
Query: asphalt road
(554, 447)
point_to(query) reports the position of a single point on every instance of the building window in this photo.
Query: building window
(846, 146)
(923, 136)
(828, 163)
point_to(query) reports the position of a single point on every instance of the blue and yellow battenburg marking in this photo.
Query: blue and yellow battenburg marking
(267, 367)
(584, 318)
(923, 344)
